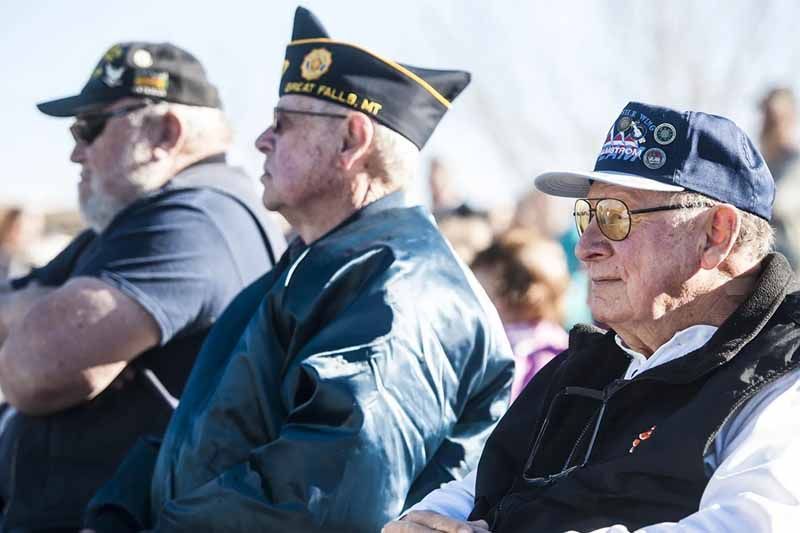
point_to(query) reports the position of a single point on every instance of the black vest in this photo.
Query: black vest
(646, 454)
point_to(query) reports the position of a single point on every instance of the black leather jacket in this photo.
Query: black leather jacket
(365, 370)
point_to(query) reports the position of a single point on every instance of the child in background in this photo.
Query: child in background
(526, 277)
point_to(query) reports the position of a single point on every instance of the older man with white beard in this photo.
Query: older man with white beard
(97, 344)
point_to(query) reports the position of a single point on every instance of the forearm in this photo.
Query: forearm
(15, 304)
(71, 346)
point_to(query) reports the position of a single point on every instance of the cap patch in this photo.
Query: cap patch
(113, 53)
(664, 133)
(142, 58)
(151, 83)
(627, 135)
(654, 158)
(112, 76)
(315, 64)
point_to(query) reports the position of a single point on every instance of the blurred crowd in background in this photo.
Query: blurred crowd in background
(521, 254)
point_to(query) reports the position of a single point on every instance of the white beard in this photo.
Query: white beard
(101, 206)
(99, 209)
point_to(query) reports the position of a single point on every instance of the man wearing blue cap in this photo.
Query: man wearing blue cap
(682, 416)
(368, 367)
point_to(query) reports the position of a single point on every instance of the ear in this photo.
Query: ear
(359, 132)
(721, 231)
(169, 137)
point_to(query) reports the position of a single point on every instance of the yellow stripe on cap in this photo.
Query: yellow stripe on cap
(425, 85)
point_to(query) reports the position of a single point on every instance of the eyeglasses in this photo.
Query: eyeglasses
(591, 404)
(613, 215)
(276, 112)
(90, 126)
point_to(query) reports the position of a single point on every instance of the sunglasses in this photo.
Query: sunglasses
(90, 126)
(278, 111)
(572, 449)
(613, 215)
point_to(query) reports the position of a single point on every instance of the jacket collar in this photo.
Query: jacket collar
(390, 201)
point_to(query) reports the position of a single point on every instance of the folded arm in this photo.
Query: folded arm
(70, 344)
(15, 304)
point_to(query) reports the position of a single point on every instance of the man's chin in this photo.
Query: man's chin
(270, 204)
(96, 213)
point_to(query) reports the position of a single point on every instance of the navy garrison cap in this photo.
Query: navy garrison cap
(406, 99)
(660, 149)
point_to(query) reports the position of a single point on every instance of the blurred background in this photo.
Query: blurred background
(548, 80)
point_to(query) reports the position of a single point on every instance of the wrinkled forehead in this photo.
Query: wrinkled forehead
(304, 103)
(632, 197)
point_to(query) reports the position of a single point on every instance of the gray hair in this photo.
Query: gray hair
(756, 235)
(394, 157)
(207, 129)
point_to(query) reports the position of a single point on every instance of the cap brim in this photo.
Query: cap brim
(576, 184)
(72, 105)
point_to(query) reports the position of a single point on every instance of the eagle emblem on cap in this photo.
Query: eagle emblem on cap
(315, 64)
(113, 75)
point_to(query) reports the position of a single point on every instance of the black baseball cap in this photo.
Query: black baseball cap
(159, 71)
(409, 100)
(660, 149)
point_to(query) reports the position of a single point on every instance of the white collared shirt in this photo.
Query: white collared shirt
(755, 485)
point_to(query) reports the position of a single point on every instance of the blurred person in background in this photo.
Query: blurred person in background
(467, 231)
(445, 196)
(782, 154)
(540, 213)
(526, 277)
(368, 367)
(97, 343)
(20, 234)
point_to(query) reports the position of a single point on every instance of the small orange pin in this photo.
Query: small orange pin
(642, 437)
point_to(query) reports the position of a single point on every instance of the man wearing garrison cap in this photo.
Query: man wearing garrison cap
(367, 368)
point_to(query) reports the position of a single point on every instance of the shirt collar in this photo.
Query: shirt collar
(683, 342)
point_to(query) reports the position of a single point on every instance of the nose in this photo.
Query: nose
(265, 142)
(78, 154)
(593, 245)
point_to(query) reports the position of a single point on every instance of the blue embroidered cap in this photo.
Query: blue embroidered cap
(660, 149)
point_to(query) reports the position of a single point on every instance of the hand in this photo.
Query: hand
(428, 522)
